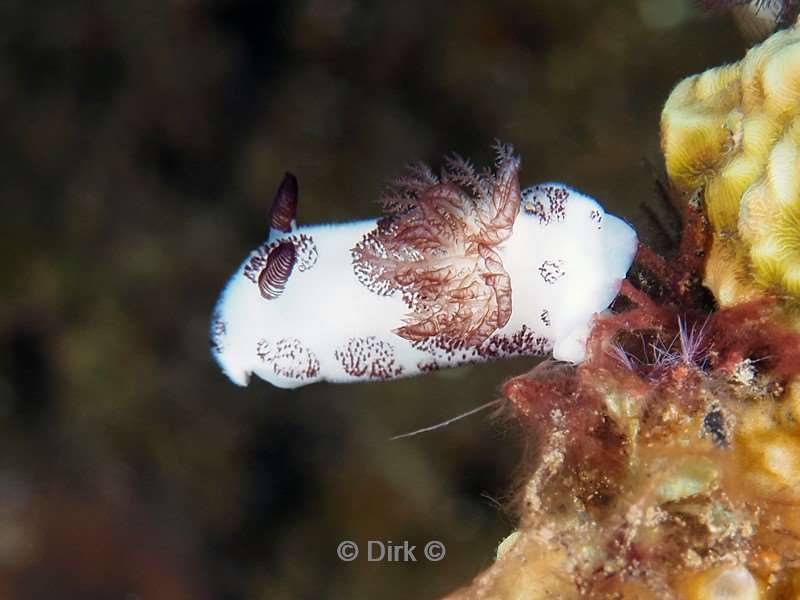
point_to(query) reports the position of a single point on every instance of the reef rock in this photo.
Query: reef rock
(666, 466)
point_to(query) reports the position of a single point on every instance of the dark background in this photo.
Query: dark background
(140, 146)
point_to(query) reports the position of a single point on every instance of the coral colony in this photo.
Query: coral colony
(667, 464)
(465, 267)
(666, 442)
(734, 132)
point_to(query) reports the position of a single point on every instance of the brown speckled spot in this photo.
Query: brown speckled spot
(522, 343)
(368, 357)
(219, 329)
(551, 271)
(428, 366)
(447, 352)
(288, 358)
(548, 203)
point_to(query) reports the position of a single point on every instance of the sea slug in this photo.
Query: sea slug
(464, 267)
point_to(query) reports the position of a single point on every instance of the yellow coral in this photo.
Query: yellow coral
(733, 133)
(721, 583)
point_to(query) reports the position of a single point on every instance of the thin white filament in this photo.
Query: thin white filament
(448, 421)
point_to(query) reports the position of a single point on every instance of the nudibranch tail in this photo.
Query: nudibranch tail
(464, 267)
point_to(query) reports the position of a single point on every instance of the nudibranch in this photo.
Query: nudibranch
(464, 267)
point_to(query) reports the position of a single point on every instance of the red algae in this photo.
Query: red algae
(660, 472)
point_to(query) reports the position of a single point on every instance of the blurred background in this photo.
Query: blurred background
(140, 146)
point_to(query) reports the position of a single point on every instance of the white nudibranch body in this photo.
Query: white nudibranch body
(447, 277)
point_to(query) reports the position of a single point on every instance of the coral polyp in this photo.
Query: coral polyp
(731, 139)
